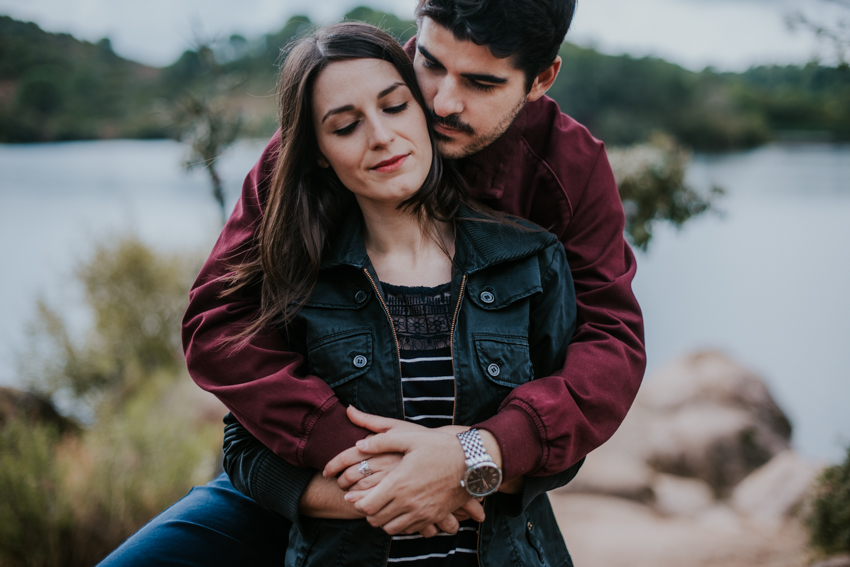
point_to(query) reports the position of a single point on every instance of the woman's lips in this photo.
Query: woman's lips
(391, 164)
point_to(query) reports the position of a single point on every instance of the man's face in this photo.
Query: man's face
(472, 94)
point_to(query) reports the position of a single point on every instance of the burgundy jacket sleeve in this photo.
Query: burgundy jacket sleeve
(262, 383)
(550, 423)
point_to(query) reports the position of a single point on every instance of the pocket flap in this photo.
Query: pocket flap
(338, 358)
(504, 359)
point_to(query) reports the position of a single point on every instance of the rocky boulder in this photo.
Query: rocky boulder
(698, 427)
(777, 490)
(711, 419)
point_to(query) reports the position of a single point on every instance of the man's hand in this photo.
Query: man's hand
(423, 489)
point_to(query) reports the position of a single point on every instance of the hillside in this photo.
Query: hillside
(54, 87)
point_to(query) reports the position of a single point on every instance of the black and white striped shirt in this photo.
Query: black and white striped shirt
(422, 320)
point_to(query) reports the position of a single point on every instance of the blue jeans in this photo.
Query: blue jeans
(214, 524)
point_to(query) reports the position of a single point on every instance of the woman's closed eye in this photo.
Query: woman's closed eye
(349, 128)
(346, 130)
(399, 108)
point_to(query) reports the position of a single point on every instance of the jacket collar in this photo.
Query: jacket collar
(480, 241)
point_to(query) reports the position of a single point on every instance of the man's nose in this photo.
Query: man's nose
(447, 99)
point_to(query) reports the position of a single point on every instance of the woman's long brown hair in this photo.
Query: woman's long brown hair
(306, 202)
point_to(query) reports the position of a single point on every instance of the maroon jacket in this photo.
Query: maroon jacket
(546, 168)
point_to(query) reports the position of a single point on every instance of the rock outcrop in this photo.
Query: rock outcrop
(700, 473)
(703, 431)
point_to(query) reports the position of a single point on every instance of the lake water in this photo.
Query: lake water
(768, 282)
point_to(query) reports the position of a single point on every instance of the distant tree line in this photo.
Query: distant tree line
(54, 87)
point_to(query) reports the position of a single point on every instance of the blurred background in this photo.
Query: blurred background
(126, 130)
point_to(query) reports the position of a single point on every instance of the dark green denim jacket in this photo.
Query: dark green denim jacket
(513, 319)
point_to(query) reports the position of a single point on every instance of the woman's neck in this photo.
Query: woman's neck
(403, 251)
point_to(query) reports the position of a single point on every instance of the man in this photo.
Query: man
(484, 68)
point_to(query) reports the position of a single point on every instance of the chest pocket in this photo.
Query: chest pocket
(503, 359)
(339, 358)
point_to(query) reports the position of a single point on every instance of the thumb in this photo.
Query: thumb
(474, 509)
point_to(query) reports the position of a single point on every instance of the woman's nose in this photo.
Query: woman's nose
(381, 134)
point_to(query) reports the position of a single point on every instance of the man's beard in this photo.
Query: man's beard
(479, 141)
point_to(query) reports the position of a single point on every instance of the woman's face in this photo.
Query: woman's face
(371, 130)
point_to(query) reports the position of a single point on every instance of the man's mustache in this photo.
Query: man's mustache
(451, 121)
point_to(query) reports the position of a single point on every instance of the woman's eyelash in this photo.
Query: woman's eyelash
(396, 109)
(345, 130)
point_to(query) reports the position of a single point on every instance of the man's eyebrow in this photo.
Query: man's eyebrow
(428, 54)
(479, 77)
(483, 78)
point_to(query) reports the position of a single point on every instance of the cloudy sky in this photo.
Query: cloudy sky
(728, 34)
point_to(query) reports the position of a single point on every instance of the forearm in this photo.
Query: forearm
(323, 498)
(277, 485)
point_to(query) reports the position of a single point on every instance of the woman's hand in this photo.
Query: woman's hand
(423, 489)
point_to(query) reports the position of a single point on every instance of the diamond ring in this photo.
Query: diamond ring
(364, 468)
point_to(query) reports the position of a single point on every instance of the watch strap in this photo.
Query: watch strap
(473, 447)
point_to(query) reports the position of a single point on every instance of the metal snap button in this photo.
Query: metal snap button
(360, 296)
(493, 370)
(530, 526)
(359, 361)
(487, 297)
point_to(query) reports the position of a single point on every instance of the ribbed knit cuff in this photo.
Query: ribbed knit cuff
(278, 486)
(519, 441)
(332, 434)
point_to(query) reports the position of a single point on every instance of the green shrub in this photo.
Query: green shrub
(651, 180)
(136, 298)
(829, 519)
(71, 500)
(68, 500)
(35, 518)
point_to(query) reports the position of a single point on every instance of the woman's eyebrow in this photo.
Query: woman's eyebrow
(349, 107)
(337, 110)
(390, 89)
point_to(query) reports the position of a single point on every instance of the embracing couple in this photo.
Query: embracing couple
(410, 364)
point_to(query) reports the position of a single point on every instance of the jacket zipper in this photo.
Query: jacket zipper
(398, 353)
(478, 543)
(452, 345)
(395, 337)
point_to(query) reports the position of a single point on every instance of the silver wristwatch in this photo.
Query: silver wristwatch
(482, 477)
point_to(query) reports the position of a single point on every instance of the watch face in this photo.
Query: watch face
(483, 479)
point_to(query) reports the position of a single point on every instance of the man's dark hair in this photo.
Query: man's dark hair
(530, 31)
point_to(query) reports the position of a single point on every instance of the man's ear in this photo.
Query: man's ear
(544, 80)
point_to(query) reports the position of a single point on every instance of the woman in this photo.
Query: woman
(414, 304)
(411, 303)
